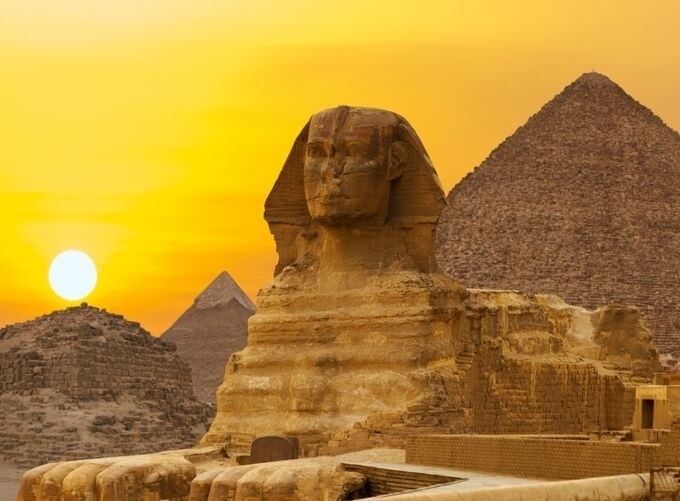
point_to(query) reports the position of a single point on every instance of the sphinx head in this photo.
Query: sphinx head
(355, 172)
(351, 157)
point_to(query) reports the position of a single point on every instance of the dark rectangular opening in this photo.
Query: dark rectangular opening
(648, 414)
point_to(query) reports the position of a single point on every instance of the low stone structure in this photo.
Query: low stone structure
(556, 457)
(657, 407)
(214, 327)
(82, 382)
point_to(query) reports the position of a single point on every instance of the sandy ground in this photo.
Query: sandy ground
(9, 481)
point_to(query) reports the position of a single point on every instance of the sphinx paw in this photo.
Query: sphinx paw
(306, 479)
(109, 479)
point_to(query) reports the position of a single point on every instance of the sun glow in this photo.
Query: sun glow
(73, 275)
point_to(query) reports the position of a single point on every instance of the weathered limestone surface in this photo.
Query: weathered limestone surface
(582, 202)
(359, 341)
(82, 382)
(214, 327)
(318, 478)
(620, 487)
(359, 330)
(525, 363)
(125, 478)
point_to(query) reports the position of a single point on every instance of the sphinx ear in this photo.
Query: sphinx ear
(398, 160)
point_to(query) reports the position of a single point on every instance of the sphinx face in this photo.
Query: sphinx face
(346, 166)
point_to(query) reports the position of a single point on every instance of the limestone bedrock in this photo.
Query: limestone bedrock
(359, 340)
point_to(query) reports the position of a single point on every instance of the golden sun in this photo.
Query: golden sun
(73, 275)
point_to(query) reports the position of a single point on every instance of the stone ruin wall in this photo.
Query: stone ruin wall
(533, 457)
(83, 383)
(523, 381)
(87, 365)
(527, 397)
(669, 453)
(497, 390)
(586, 401)
(46, 427)
(552, 458)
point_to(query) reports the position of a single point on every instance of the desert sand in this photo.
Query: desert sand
(10, 476)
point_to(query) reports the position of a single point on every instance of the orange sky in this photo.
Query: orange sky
(147, 133)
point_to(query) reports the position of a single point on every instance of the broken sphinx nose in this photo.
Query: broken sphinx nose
(331, 170)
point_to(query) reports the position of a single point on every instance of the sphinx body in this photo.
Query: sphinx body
(359, 330)
(359, 340)
(357, 312)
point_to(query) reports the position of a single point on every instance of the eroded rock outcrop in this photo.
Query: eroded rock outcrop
(82, 382)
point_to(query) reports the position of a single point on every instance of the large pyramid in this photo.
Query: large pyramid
(213, 328)
(582, 201)
(82, 382)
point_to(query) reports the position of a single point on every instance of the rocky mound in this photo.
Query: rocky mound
(82, 382)
(213, 328)
(582, 201)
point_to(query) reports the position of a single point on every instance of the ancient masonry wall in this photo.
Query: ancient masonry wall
(88, 365)
(520, 397)
(528, 397)
(516, 379)
(82, 382)
(497, 395)
(549, 458)
(669, 452)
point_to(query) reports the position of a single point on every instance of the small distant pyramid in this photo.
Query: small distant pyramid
(583, 201)
(220, 291)
(213, 328)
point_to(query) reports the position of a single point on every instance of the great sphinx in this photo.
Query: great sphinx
(359, 340)
(357, 309)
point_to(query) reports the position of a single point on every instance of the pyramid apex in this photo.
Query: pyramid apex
(594, 77)
(222, 290)
(591, 111)
(593, 81)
